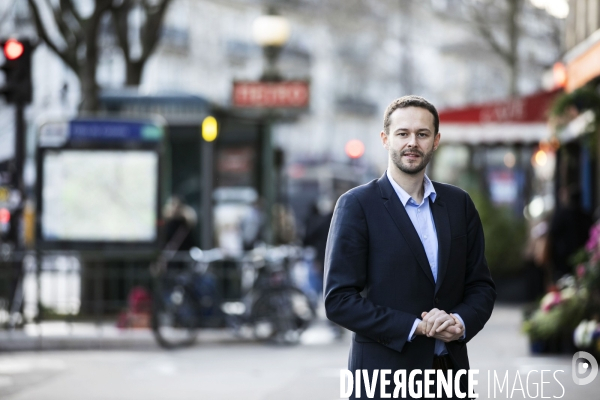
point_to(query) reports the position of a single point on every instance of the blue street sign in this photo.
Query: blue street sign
(58, 134)
(107, 130)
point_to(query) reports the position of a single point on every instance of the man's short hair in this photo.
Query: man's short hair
(410, 101)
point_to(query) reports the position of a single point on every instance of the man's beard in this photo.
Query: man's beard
(411, 169)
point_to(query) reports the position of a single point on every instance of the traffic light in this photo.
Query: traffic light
(4, 222)
(210, 128)
(17, 70)
(355, 149)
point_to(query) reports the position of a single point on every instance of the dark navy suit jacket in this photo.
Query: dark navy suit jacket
(378, 278)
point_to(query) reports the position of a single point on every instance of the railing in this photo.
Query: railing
(51, 294)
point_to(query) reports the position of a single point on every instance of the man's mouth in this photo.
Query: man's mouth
(412, 155)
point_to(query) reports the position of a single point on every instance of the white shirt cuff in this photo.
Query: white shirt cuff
(464, 327)
(412, 335)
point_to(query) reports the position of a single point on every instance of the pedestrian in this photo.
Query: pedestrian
(315, 236)
(251, 225)
(568, 231)
(405, 268)
(180, 222)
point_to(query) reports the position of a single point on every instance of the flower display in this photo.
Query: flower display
(550, 300)
(571, 308)
(584, 333)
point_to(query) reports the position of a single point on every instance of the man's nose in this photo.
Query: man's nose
(412, 140)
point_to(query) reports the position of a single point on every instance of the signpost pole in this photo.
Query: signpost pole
(17, 175)
(268, 178)
(206, 201)
(17, 214)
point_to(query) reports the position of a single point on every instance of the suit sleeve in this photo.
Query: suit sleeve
(479, 290)
(346, 262)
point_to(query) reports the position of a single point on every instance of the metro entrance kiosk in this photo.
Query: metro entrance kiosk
(99, 185)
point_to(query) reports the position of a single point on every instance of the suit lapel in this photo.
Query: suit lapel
(404, 224)
(442, 227)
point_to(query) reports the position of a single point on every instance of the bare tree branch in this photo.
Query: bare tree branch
(151, 29)
(484, 29)
(64, 29)
(81, 50)
(505, 16)
(68, 5)
(149, 33)
(68, 56)
(120, 18)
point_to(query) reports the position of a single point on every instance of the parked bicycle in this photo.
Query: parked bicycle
(188, 295)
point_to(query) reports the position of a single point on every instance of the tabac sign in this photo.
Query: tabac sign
(284, 94)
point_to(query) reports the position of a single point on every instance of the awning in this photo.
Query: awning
(493, 133)
(583, 62)
(519, 120)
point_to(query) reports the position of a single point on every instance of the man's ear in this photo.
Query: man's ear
(384, 139)
(436, 141)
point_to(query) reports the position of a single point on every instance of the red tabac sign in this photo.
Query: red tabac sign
(285, 94)
(528, 109)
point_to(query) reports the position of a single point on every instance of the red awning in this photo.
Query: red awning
(517, 120)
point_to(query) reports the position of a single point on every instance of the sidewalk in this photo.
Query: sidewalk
(58, 335)
(260, 372)
(502, 349)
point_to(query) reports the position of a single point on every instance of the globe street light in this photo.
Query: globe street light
(271, 31)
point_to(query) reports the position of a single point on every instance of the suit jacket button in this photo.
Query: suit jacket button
(437, 300)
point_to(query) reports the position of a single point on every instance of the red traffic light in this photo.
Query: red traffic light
(355, 148)
(13, 49)
(4, 216)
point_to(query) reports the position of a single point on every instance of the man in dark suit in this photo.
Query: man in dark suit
(405, 268)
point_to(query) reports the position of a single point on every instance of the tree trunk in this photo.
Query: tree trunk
(87, 74)
(513, 82)
(134, 73)
(514, 11)
(89, 90)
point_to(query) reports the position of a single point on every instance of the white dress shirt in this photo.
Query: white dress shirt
(422, 219)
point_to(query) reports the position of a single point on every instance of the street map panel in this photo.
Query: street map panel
(99, 195)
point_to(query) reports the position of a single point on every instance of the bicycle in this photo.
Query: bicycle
(186, 296)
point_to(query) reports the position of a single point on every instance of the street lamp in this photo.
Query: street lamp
(557, 8)
(271, 31)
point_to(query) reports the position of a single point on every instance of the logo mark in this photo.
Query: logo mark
(580, 368)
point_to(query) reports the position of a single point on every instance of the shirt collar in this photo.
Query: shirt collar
(428, 190)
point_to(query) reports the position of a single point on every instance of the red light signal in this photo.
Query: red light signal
(4, 216)
(355, 148)
(13, 49)
(17, 87)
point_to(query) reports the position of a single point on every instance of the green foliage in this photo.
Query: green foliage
(564, 317)
(505, 236)
(568, 105)
(584, 98)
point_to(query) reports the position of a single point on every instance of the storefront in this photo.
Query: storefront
(497, 142)
(500, 153)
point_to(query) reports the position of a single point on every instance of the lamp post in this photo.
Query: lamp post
(271, 31)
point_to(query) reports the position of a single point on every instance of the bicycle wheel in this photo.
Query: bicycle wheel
(174, 314)
(281, 315)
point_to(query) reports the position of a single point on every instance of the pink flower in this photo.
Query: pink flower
(550, 300)
(580, 271)
(592, 242)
